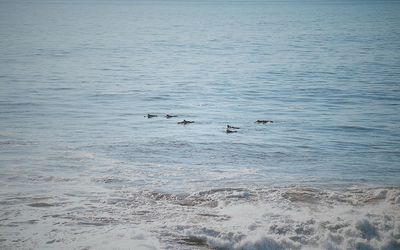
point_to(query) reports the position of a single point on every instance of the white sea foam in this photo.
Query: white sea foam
(223, 218)
(112, 210)
(298, 218)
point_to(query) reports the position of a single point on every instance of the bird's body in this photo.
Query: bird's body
(228, 131)
(184, 122)
(231, 127)
(264, 121)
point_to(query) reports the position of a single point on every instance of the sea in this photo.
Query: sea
(82, 166)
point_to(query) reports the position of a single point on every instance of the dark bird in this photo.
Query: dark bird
(184, 122)
(231, 127)
(228, 131)
(170, 116)
(151, 116)
(264, 121)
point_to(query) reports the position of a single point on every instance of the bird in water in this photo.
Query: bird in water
(184, 122)
(231, 127)
(228, 131)
(264, 121)
(150, 116)
(170, 116)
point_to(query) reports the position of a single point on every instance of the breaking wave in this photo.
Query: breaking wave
(223, 218)
(298, 218)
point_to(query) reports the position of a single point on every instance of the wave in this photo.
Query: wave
(288, 218)
(224, 218)
(301, 218)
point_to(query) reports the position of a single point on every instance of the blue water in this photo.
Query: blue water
(83, 75)
(78, 77)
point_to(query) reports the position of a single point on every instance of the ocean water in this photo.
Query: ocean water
(82, 167)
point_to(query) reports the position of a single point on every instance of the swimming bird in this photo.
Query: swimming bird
(184, 122)
(231, 127)
(228, 131)
(264, 121)
(151, 116)
(170, 116)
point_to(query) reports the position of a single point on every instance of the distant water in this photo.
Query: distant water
(82, 167)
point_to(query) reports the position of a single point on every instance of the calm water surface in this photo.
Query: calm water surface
(77, 79)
